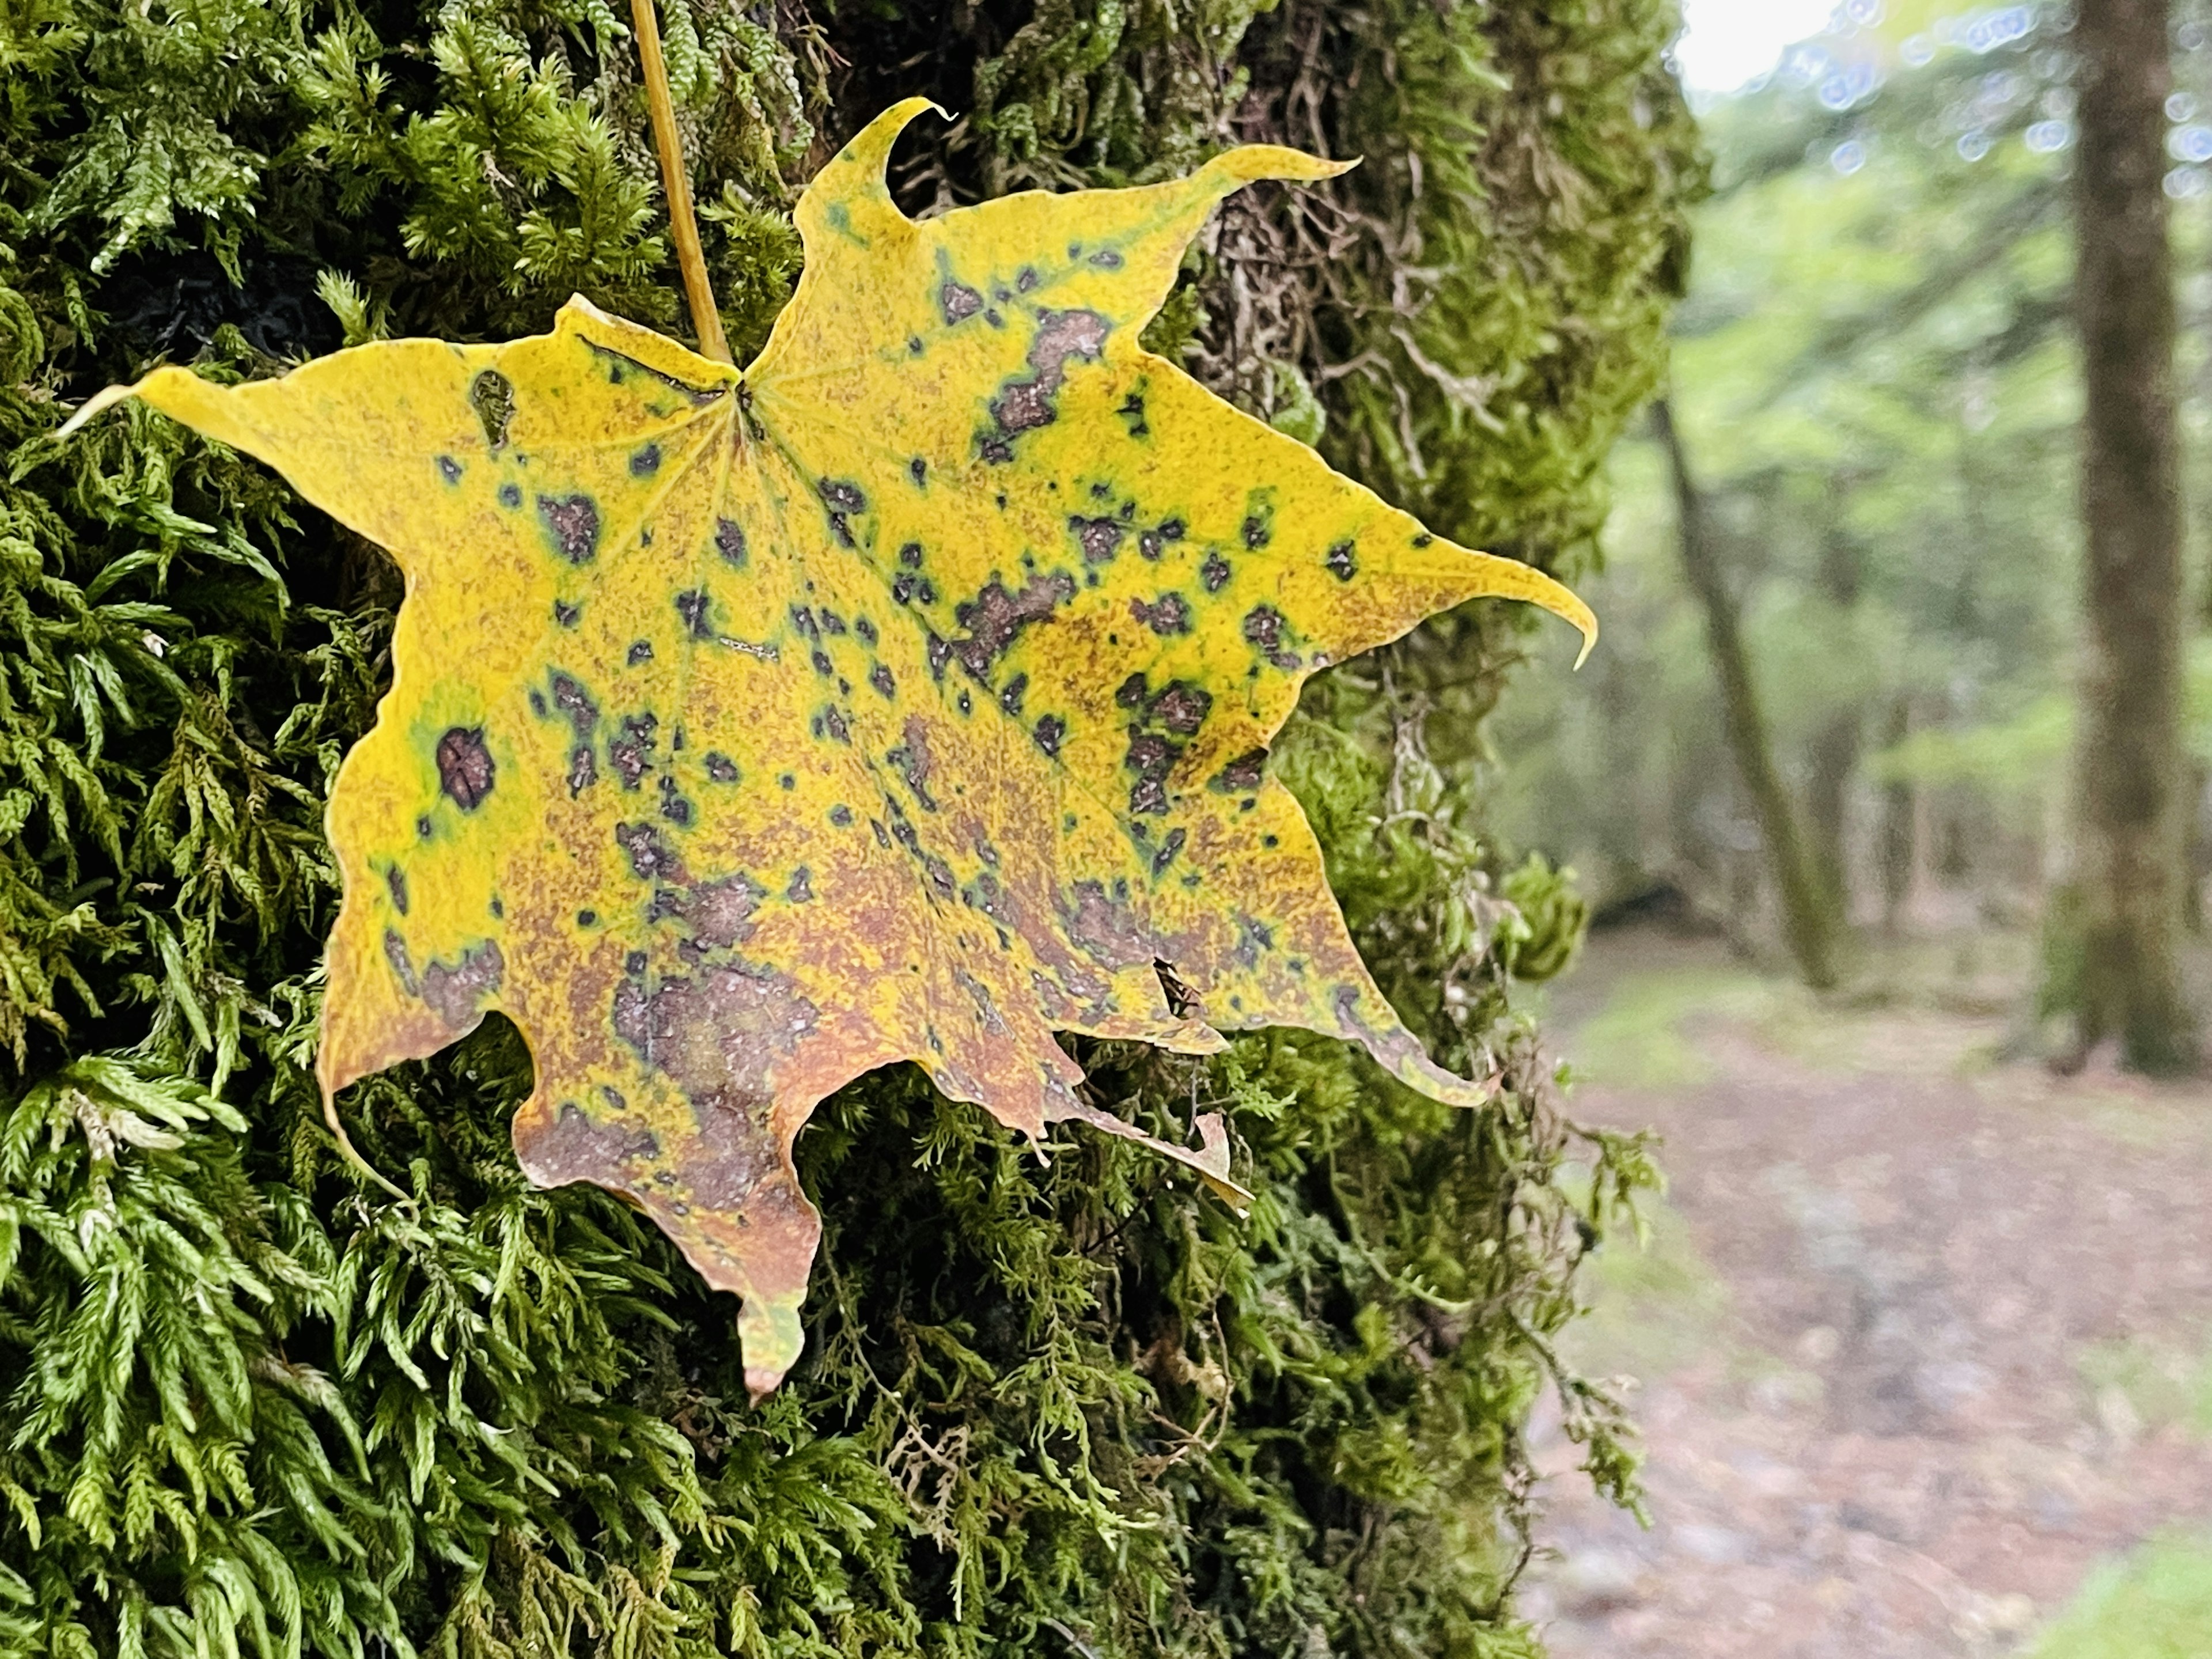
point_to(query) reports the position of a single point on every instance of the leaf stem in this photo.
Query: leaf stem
(690, 258)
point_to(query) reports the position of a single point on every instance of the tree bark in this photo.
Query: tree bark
(1834, 754)
(1900, 841)
(2129, 807)
(1807, 919)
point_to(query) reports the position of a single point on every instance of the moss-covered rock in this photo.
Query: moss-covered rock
(1075, 1406)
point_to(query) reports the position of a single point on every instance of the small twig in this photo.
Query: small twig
(675, 184)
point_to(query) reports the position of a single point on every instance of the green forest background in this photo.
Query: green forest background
(251, 1407)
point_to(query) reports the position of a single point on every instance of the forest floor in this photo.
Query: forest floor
(1922, 1340)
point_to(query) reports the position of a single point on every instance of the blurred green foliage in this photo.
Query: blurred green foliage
(1071, 1405)
(1876, 379)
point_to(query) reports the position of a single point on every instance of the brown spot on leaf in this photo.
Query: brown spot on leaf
(1214, 573)
(958, 302)
(571, 522)
(464, 767)
(395, 952)
(1060, 336)
(1180, 707)
(1100, 538)
(995, 616)
(1151, 757)
(1167, 616)
(1242, 774)
(395, 879)
(730, 542)
(456, 994)
(650, 858)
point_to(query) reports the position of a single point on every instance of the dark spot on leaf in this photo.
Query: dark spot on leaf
(572, 523)
(995, 616)
(880, 677)
(1340, 563)
(1051, 732)
(510, 496)
(1256, 533)
(423, 828)
(537, 705)
(673, 806)
(583, 770)
(787, 782)
(721, 767)
(649, 856)
(691, 605)
(1169, 846)
(633, 964)
(802, 619)
(455, 993)
(1180, 707)
(865, 629)
(491, 394)
(449, 469)
(940, 653)
(571, 700)
(1133, 411)
(646, 462)
(1167, 615)
(903, 586)
(912, 759)
(842, 496)
(1133, 690)
(640, 651)
(1060, 336)
(1099, 537)
(565, 614)
(802, 885)
(395, 878)
(1009, 698)
(1151, 757)
(1106, 259)
(730, 542)
(1214, 573)
(841, 815)
(832, 622)
(823, 665)
(1242, 774)
(395, 952)
(958, 302)
(1263, 627)
(465, 768)
(833, 721)
(913, 345)
(588, 918)
(1424, 539)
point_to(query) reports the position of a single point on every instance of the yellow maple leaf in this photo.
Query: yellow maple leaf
(905, 696)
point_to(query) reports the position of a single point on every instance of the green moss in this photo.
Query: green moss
(1071, 1405)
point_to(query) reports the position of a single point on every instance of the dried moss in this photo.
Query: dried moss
(251, 1405)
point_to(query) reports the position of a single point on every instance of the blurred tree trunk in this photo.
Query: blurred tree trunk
(1808, 921)
(1835, 750)
(2115, 963)
(1900, 826)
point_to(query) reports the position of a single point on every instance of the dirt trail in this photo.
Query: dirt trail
(1922, 1337)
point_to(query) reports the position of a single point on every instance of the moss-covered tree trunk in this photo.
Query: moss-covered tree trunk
(1068, 1408)
(2119, 965)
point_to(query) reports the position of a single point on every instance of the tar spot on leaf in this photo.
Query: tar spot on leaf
(510, 494)
(571, 522)
(730, 542)
(646, 462)
(640, 651)
(464, 767)
(721, 767)
(449, 469)
(1342, 562)
(1167, 615)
